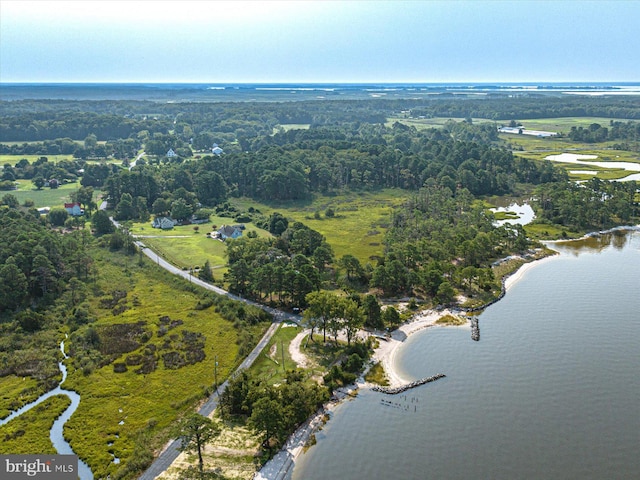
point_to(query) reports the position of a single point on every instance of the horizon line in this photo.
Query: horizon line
(294, 82)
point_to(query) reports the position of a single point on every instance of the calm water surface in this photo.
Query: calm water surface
(551, 391)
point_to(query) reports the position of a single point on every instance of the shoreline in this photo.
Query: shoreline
(385, 354)
(281, 465)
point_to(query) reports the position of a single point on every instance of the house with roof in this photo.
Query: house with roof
(229, 231)
(73, 209)
(171, 153)
(216, 150)
(164, 223)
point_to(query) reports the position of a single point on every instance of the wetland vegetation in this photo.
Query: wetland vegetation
(366, 201)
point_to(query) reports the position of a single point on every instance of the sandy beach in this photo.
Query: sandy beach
(387, 350)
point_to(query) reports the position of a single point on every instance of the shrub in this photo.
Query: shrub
(119, 367)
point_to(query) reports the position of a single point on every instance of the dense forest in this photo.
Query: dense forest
(39, 120)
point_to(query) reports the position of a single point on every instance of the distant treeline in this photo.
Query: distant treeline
(37, 120)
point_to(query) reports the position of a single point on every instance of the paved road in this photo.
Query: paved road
(133, 164)
(169, 455)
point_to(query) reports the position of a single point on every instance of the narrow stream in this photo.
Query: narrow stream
(55, 434)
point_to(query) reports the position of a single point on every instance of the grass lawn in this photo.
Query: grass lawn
(292, 126)
(185, 248)
(129, 413)
(29, 433)
(46, 197)
(268, 365)
(361, 219)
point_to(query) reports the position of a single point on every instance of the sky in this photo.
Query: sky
(319, 41)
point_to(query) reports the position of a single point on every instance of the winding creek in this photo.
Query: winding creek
(55, 434)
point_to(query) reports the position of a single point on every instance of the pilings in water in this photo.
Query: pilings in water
(409, 386)
(475, 329)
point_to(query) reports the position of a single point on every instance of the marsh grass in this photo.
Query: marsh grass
(451, 320)
(29, 433)
(17, 391)
(564, 124)
(377, 375)
(548, 231)
(130, 414)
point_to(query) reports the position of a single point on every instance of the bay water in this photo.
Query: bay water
(551, 390)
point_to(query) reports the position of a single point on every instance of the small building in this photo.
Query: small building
(216, 150)
(164, 223)
(73, 209)
(228, 231)
(171, 153)
(198, 220)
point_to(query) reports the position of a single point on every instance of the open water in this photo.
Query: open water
(551, 390)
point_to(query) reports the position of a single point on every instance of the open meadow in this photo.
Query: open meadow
(45, 197)
(359, 223)
(425, 123)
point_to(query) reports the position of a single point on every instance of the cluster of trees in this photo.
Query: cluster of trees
(594, 204)
(120, 148)
(74, 120)
(594, 133)
(280, 270)
(529, 106)
(273, 410)
(330, 159)
(112, 119)
(43, 279)
(37, 264)
(441, 242)
(178, 190)
(40, 170)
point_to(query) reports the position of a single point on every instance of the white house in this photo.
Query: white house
(216, 150)
(228, 231)
(171, 153)
(165, 223)
(73, 209)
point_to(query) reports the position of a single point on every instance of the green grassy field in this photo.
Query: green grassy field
(46, 197)
(359, 224)
(185, 248)
(29, 433)
(294, 126)
(14, 159)
(268, 366)
(357, 228)
(425, 123)
(564, 124)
